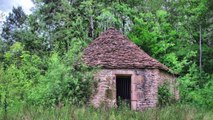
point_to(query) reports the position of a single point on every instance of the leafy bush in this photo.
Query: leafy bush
(165, 97)
(196, 87)
(66, 80)
(18, 73)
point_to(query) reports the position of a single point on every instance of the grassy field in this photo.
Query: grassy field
(175, 112)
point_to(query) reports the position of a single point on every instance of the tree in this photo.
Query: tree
(14, 23)
(18, 74)
(60, 23)
(2, 50)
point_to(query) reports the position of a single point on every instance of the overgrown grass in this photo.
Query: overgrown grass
(174, 112)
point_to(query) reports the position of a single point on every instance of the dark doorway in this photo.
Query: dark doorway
(123, 90)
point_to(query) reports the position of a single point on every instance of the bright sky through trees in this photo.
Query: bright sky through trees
(7, 5)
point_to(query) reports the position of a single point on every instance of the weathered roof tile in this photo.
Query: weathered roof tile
(113, 50)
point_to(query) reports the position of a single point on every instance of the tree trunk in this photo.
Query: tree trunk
(123, 22)
(91, 27)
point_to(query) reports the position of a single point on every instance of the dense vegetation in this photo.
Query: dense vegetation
(177, 112)
(40, 54)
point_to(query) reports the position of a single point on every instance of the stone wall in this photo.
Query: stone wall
(171, 79)
(144, 87)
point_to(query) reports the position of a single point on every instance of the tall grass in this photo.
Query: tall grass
(174, 112)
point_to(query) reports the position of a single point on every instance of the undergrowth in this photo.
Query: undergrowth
(70, 112)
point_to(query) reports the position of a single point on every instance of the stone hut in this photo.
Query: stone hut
(127, 72)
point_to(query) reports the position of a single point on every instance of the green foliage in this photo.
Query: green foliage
(15, 84)
(66, 80)
(13, 24)
(196, 89)
(19, 73)
(40, 54)
(206, 94)
(156, 36)
(165, 97)
(117, 15)
(2, 49)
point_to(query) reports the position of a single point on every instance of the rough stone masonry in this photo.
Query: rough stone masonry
(118, 56)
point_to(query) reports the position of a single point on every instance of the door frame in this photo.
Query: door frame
(124, 75)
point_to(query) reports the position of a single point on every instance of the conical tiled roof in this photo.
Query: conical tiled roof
(113, 50)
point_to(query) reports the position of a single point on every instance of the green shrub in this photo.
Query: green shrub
(196, 87)
(165, 97)
(18, 73)
(67, 79)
